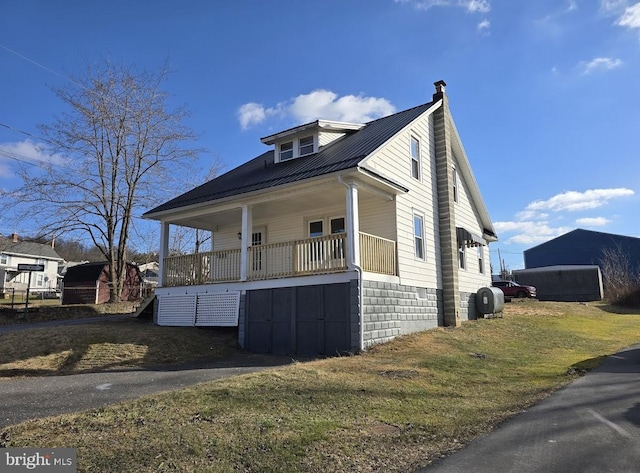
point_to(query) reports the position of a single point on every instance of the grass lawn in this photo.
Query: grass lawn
(393, 409)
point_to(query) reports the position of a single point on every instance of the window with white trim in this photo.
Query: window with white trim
(455, 185)
(415, 157)
(461, 257)
(305, 145)
(418, 236)
(4, 259)
(481, 259)
(316, 228)
(286, 151)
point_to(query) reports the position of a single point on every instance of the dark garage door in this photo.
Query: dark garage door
(306, 320)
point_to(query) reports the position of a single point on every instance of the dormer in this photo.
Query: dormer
(307, 139)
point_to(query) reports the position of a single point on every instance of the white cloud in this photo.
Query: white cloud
(631, 17)
(593, 222)
(476, 6)
(25, 151)
(471, 6)
(529, 232)
(600, 64)
(532, 226)
(484, 27)
(573, 201)
(251, 114)
(573, 5)
(318, 104)
(613, 7)
(425, 4)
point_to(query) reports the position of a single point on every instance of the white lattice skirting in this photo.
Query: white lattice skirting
(218, 309)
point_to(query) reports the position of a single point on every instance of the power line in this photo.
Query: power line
(76, 83)
(18, 130)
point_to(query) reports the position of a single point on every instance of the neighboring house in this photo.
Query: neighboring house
(339, 237)
(149, 273)
(88, 283)
(14, 252)
(582, 247)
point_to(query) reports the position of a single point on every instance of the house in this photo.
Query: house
(583, 247)
(14, 252)
(340, 236)
(88, 283)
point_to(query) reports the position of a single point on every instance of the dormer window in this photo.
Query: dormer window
(307, 139)
(305, 146)
(286, 151)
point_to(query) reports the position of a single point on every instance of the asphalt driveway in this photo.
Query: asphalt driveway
(30, 398)
(590, 426)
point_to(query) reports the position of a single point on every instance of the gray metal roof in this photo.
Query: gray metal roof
(262, 172)
(29, 248)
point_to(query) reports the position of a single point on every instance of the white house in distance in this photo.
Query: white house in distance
(14, 252)
(340, 236)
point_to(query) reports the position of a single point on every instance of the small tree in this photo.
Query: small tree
(621, 280)
(117, 147)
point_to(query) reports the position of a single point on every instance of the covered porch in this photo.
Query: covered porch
(317, 255)
(335, 224)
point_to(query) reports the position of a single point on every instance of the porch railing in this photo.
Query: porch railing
(201, 268)
(377, 255)
(317, 255)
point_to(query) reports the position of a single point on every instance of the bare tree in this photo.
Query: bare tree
(113, 153)
(621, 280)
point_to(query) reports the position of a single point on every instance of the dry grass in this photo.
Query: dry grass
(107, 345)
(393, 409)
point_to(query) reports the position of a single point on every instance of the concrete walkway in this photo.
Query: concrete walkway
(590, 426)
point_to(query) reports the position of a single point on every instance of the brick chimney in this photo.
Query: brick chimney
(14, 237)
(440, 89)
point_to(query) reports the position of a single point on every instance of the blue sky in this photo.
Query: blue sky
(545, 93)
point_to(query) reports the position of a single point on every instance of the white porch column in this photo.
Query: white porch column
(247, 230)
(164, 251)
(353, 226)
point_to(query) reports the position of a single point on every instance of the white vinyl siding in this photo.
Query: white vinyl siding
(326, 137)
(471, 279)
(392, 161)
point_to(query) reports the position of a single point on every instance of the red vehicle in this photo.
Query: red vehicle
(513, 289)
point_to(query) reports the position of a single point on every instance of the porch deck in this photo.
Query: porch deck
(319, 255)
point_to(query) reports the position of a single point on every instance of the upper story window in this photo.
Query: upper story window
(286, 151)
(455, 185)
(415, 157)
(305, 145)
(4, 259)
(418, 235)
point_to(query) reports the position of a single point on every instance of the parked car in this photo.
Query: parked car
(513, 289)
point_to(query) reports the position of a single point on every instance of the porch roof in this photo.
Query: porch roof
(262, 172)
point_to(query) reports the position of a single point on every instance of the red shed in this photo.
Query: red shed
(89, 284)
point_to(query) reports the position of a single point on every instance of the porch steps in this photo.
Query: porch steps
(142, 308)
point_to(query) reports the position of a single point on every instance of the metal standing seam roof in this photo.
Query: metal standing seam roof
(262, 172)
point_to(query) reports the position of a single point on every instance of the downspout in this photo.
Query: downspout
(352, 263)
